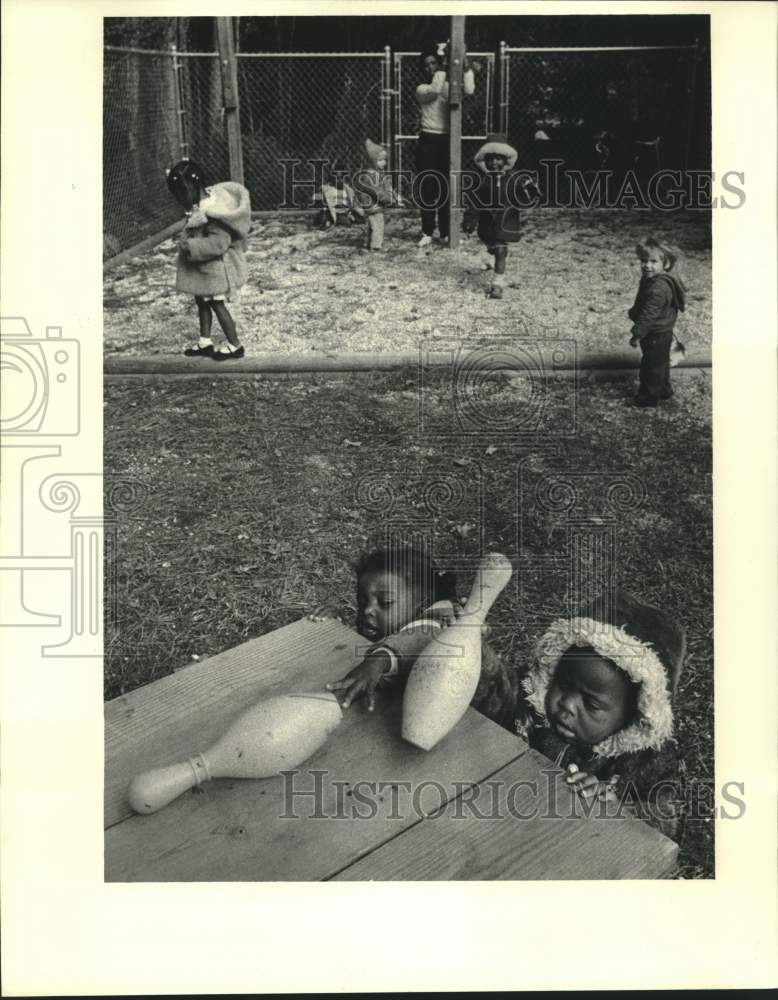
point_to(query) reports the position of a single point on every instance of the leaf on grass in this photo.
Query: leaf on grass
(351, 444)
(463, 530)
(491, 450)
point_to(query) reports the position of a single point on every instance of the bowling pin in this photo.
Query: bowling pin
(273, 735)
(445, 675)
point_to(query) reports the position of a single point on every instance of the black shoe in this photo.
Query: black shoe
(645, 401)
(232, 356)
(199, 352)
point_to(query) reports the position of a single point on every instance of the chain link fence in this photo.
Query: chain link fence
(308, 107)
(476, 109)
(559, 103)
(552, 103)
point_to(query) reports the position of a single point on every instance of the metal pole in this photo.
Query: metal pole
(230, 95)
(179, 105)
(455, 87)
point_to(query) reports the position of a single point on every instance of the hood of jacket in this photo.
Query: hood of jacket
(643, 642)
(678, 287)
(230, 204)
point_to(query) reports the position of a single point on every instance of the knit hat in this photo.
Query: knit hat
(499, 148)
(374, 151)
(638, 638)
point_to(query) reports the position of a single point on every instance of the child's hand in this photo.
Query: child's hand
(324, 611)
(363, 679)
(633, 341)
(587, 785)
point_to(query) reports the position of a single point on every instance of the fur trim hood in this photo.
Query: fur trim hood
(643, 642)
(501, 149)
(228, 203)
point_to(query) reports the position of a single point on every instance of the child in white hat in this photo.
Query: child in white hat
(372, 193)
(494, 204)
(598, 701)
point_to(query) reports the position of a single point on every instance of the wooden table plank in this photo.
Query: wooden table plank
(178, 715)
(234, 830)
(455, 845)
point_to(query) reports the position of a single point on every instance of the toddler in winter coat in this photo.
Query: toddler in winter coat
(493, 204)
(372, 193)
(661, 295)
(212, 252)
(597, 700)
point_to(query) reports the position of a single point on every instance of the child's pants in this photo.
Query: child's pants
(374, 233)
(655, 366)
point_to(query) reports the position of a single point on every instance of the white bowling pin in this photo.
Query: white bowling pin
(273, 735)
(445, 675)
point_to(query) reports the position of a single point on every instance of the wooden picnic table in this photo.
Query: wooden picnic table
(474, 807)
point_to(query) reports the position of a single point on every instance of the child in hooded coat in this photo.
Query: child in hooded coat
(493, 204)
(597, 700)
(212, 252)
(372, 193)
(661, 296)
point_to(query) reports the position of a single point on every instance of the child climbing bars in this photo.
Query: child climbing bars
(212, 252)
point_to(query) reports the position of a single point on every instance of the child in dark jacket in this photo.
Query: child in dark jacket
(661, 295)
(598, 701)
(212, 252)
(493, 203)
(403, 601)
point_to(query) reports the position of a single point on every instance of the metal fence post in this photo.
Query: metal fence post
(230, 95)
(502, 120)
(386, 104)
(179, 108)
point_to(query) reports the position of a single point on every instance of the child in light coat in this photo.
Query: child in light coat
(212, 252)
(372, 193)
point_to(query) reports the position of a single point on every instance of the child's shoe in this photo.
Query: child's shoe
(495, 292)
(425, 241)
(199, 352)
(225, 354)
(645, 401)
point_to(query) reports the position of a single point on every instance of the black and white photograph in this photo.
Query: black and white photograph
(407, 333)
(388, 496)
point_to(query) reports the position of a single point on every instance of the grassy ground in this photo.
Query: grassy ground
(241, 503)
(574, 273)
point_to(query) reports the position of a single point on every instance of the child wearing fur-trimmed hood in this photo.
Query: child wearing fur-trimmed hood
(493, 205)
(597, 701)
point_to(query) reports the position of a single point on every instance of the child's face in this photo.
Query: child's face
(589, 698)
(652, 263)
(386, 602)
(495, 163)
